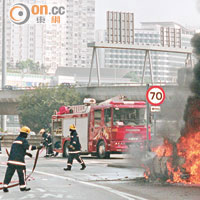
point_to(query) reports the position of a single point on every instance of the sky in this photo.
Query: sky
(184, 12)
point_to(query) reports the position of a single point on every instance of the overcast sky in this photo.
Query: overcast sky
(184, 12)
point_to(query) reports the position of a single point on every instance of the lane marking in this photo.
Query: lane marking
(122, 194)
(106, 188)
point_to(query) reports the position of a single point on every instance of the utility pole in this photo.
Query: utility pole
(147, 116)
(3, 47)
(3, 78)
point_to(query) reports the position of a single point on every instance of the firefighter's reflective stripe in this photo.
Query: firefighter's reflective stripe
(5, 185)
(74, 142)
(16, 163)
(30, 148)
(22, 186)
(69, 164)
(49, 144)
(17, 142)
(74, 151)
(81, 160)
(24, 173)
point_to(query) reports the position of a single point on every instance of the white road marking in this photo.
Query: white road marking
(122, 194)
(57, 196)
(44, 196)
(40, 189)
(28, 196)
(111, 190)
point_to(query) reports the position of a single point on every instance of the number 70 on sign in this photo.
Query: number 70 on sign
(155, 95)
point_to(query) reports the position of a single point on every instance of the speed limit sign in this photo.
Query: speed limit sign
(155, 95)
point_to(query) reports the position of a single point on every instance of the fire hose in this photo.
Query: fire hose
(34, 166)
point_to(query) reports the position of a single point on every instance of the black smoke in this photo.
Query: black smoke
(192, 109)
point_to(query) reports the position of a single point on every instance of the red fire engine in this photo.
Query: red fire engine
(109, 127)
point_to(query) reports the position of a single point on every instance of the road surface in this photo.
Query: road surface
(97, 182)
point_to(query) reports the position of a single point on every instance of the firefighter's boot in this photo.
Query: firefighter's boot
(83, 166)
(25, 189)
(56, 154)
(5, 189)
(68, 168)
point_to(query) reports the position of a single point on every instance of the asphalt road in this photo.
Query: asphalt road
(96, 182)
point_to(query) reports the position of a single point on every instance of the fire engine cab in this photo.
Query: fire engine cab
(109, 127)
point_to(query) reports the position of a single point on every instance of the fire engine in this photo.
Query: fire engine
(109, 127)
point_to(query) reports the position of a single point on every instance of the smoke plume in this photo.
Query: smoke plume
(192, 110)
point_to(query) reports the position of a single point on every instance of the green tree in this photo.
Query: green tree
(37, 107)
(30, 66)
(133, 76)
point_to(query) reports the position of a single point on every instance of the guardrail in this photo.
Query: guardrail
(8, 140)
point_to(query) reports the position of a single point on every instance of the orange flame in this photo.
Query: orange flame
(165, 150)
(189, 148)
(147, 173)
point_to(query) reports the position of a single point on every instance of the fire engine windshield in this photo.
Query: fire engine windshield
(129, 116)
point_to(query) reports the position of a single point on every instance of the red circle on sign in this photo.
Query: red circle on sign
(155, 101)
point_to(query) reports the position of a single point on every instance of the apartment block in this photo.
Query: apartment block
(52, 45)
(165, 65)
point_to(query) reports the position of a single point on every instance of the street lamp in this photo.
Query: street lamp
(3, 78)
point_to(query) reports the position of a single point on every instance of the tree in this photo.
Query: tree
(133, 76)
(37, 107)
(30, 66)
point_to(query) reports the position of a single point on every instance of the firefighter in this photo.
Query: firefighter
(47, 142)
(1, 138)
(16, 159)
(74, 149)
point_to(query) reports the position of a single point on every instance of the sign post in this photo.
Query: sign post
(147, 135)
(155, 95)
(154, 110)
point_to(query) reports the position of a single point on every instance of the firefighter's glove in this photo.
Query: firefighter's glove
(29, 155)
(71, 147)
(39, 147)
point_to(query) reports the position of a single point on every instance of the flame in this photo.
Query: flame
(147, 173)
(188, 148)
(165, 150)
(174, 174)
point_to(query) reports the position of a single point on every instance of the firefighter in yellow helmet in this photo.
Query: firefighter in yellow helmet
(74, 149)
(47, 142)
(16, 159)
(1, 138)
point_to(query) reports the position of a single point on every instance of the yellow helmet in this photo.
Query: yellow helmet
(72, 127)
(42, 131)
(25, 129)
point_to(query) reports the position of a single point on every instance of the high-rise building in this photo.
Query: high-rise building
(52, 45)
(165, 65)
(22, 41)
(120, 27)
(79, 31)
(7, 31)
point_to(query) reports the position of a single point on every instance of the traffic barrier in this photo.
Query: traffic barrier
(8, 140)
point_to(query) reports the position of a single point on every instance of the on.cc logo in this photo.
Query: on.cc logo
(19, 13)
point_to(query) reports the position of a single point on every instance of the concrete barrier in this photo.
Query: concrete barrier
(33, 140)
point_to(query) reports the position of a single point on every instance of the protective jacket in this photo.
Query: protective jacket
(47, 142)
(75, 146)
(18, 150)
(47, 139)
(1, 138)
